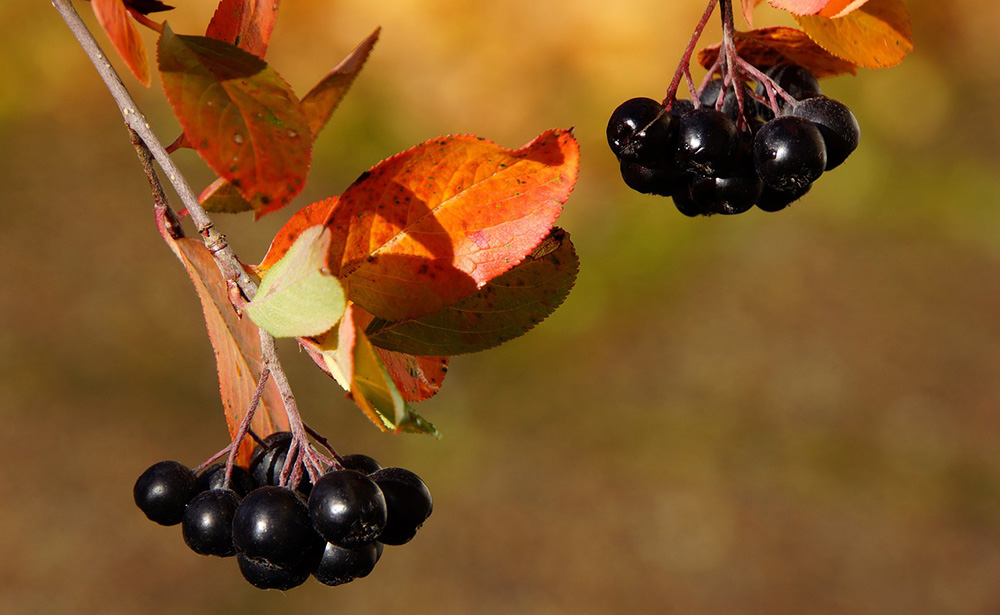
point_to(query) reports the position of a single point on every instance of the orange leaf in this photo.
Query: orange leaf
(799, 7)
(769, 46)
(417, 378)
(114, 19)
(310, 215)
(876, 35)
(240, 116)
(429, 226)
(839, 8)
(748, 6)
(247, 24)
(236, 343)
(321, 101)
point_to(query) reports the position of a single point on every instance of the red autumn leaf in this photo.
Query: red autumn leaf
(321, 101)
(430, 226)
(240, 116)
(766, 47)
(506, 307)
(310, 215)
(118, 25)
(236, 343)
(417, 378)
(222, 197)
(247, 24)
(876, 35)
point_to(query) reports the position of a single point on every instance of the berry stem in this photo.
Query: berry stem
(685, 63)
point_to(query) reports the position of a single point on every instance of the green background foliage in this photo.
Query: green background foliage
(783, 413)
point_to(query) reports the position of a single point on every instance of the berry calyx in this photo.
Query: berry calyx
(163, 490)
(264, 575)
(207, 526)
(408, 504)
(347, 508)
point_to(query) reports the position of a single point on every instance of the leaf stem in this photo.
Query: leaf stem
(685, 63)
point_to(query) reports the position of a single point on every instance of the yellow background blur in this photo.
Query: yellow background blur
(770, 413)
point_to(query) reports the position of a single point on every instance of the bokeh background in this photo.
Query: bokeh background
(769, 413)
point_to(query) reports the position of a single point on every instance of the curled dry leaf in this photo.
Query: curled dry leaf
(766, 47)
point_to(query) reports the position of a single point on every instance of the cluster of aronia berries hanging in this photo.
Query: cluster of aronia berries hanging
(714, 157)
(333, 530)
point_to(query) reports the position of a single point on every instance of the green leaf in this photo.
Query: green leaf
(505, 308)
(298, 297)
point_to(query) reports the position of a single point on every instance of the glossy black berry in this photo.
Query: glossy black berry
(347, 508)
(662, 180)
(730, 106)
(639, 130)
(359, 462)
(268, 461)
(163, 490)
(706, 142)
(776, 200)
(214, 476)
(726, 195)
(680, 107)
(686, 204)
(797, 81)
(208, 522)
(789, 153)
(272, 524)
(339, 565)
(840, 129)
(263, 575)
(408, 504)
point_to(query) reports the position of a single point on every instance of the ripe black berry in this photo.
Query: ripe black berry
(208, 522)
(263, 575)
(359, 462)
(706, 141)
(408, 504)
(776, 200)
(726, 195)
(347, 508)
(214, 476)
(163, 490)
(797, 81)
(272, 524)
(840, 129)
(639, 130)
(789, 153)
(651, 180)
(268, 461)
(339, 565)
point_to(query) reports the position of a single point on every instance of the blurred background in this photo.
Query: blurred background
(769, 413)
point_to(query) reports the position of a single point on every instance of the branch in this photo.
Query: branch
(136, 121)
(149, 148)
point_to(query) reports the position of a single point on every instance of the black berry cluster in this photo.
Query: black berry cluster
(714, 160)
(333, 530)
